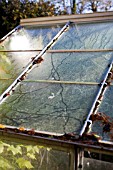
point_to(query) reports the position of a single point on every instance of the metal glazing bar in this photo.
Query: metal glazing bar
(61, 82)
(80, 155)
(36, 60)
(106, 142)
(22, 129)
(61, 50)
(31, 133)
(79, 50)
(56, 140)
(55, 82)
(18, 51)
(11, 32)
(97, 100)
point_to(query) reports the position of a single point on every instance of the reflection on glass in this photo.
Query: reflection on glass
(12, 63)
(16, 156)
(90, 67)
(41, 36)
(87, 36)
(48, 107)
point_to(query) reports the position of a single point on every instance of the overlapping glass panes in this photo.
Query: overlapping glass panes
(87, 36)
(12, 63)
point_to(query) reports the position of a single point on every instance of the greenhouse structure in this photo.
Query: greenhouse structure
(56, 94)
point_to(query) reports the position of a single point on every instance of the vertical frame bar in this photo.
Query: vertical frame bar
(79, 157)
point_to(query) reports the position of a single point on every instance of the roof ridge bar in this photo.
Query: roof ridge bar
(35, 60)
(106, 82)
(10, 33)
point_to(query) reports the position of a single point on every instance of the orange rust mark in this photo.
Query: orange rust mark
(21, 128)
(2, 126)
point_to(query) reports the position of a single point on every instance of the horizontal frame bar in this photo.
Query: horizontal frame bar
(94, 108)
(36, 60)
(60, 51)
(82, 18)
(62, 144)
(61, 82)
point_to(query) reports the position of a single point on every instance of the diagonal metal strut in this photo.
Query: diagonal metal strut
(106, 82)
(30, 66)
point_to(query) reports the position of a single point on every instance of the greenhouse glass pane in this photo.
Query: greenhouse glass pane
(48, 107)
(79, 67)
(93, 164)
(16, 156)
(87, 36)
(104, 127)
(12, 63)
(41, 36)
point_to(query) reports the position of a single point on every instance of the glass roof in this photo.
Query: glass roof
(58, 90)
(13, 63)
(77, 67)
(87, 36)
(105, 129)
(48, 107)
(18, 155)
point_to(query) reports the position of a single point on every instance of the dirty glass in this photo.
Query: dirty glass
(104, 127)
(78, 67)
(48, 107)
(87, 36)
(57, 95)
(93, 164)
(62, 103)
(18, 155)
(27, 38)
